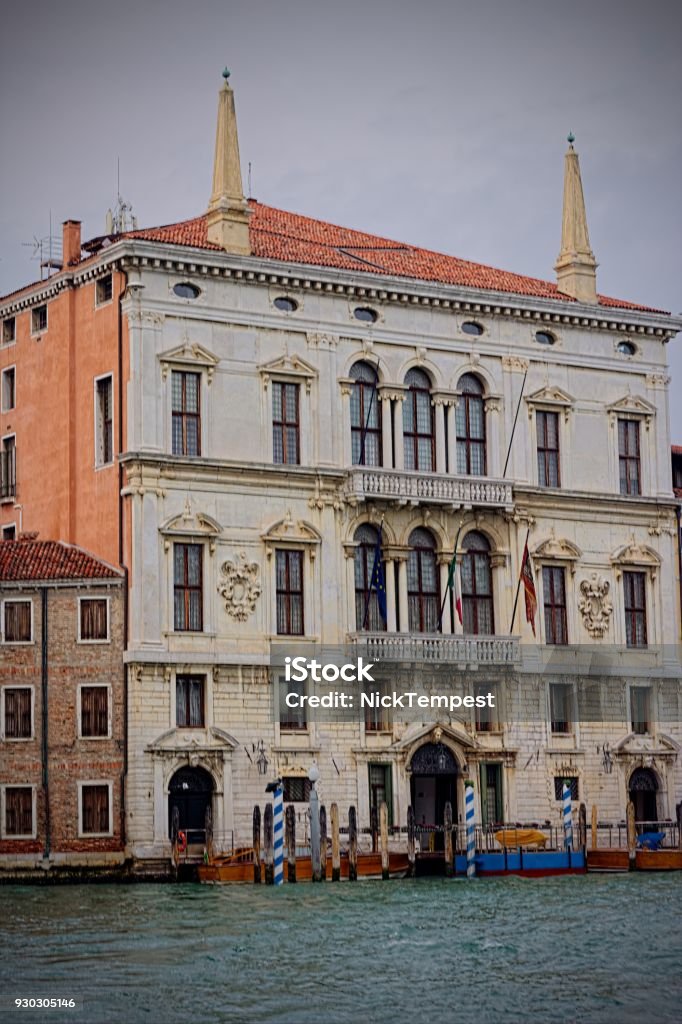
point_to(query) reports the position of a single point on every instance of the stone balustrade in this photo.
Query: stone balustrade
(406, 487)
(439, 649)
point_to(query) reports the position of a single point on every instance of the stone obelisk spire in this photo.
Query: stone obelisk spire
(228, 212)
(576, 267)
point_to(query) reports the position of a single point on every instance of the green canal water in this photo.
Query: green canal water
(589, 949)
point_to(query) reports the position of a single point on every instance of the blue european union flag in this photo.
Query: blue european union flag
(378, 581)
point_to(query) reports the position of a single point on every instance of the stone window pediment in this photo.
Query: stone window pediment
(550, 397)
(289, 368)
(641, 556)
(632, 407)
(189, 356)
(190, 525)
(557, 549)
(293, 533)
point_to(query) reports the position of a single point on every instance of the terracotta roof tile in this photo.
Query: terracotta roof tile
(50, 560)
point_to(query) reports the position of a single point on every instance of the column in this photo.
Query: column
(386, 432)
(446, 625)
(440, 435)
(346, 451)
(391, 609)
(451, 428)
(402, 595)
(492, 411)
(398, 433)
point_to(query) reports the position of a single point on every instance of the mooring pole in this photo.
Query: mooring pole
(291, 843)
(411, 860)
(471, 831)
(374, 827)
(582, 819)
(352, 845)
(568, 817)
(323, 843)
(256, 845)
(632, 837)
(278, 832)
(447, 845)
(383, 827)
(679, 825)
(313, 775)
(594, 828)
(336, 850)
(268, 847)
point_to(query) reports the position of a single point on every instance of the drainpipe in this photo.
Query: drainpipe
(44, 750)
(121, 553)
(678, 512)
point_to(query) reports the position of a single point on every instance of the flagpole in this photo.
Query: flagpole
(448, 586)
(511, 439)
(369, 588)
(365, 425)
(518, 585)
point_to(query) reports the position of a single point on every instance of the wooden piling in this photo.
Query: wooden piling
(595, 828)
(290, 817)
(323, 842)
(336, 849)
(256, 845)
(352, 845)
(679, 825)
(582, 827)
(632, 837)
(383, 827)
(268, 846)
(447, 846)
(411, 859)
(374, 828)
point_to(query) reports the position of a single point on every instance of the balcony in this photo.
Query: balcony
(439, 649)
(409, 488)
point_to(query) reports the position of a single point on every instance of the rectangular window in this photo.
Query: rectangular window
(640, 709)
(94, 711)
(561, 707)
(18, 622)
(380, 789)
(188, 587)
(285, 424)
(377, 719)
(186, 413)
(547, 424)
(189, 702)
(289, 592)
(554, 594)
(292, 719)
(18, 811)
(629, 457)
(491, 794)
(8, 389)
(95, 809)
(18, 717)
(104, 290)
(8, 468)
(487, 718)
(296, 789)
(634, 590)
(94, 619)
(9, 330)
(559, 787)
(38, 319)
(104, 424)
(9, 532)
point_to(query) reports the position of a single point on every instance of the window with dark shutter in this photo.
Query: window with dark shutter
(17, 622)
(104, 435)
(634, 589)
(296, 789)
(629, 457)
(95, 809)
(189, 702)
(289, 569)
(18, 725)
(188, 587)
(547, 424)
(94, 711)
(285, 424)
(560, 702)
(554, 594)
(18, 811)
(93, 614)
(186, 401)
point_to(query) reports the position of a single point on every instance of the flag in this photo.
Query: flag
(455, 584)
(377, 582)
(529, 588)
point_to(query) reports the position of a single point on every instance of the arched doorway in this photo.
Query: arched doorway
(191, 792)
(643, 788)
(433, 783)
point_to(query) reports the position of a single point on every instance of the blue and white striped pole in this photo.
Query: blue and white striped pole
(278, 832)
(471, 833)
(568, 816)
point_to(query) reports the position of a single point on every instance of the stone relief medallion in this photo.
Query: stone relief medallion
(595, 605)
(240, 587)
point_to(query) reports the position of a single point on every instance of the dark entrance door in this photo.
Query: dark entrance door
(643, 788)
(190, 791)
(432, 785)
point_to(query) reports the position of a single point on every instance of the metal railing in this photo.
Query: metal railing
(614, 834)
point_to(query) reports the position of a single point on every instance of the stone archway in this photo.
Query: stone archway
(642, 790)
(433, 783)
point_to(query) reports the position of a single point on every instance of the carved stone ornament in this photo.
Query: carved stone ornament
(595, 605)
(240, 587)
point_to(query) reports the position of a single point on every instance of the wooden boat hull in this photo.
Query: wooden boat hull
(369, 866)
(645, 860)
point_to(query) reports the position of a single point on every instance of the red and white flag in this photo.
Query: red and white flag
(529, 588)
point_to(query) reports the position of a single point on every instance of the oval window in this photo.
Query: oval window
(286, 304)
(186, 290)
(471, 327)
(368, 316)
(626, 348)
(544, 338)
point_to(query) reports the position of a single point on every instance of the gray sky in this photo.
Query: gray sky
(438, 123)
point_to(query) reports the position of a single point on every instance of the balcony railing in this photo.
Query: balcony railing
(439, 649)
(406, 487)
(8, 473)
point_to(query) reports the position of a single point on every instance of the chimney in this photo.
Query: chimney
(71, 242)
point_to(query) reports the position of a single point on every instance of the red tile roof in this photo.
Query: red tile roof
(676, 449)
(293, 238)
(50, 560)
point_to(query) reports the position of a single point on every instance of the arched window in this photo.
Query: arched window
(423, 590)
(367, 614)
(470, 420)
(365, 416)
(418, 423)
(477, 585)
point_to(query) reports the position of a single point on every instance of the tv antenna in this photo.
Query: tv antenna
(48, 251)
(121, 218)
